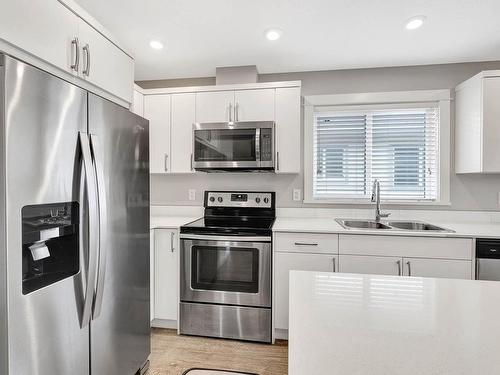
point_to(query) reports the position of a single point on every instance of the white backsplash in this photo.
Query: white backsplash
(426, 215)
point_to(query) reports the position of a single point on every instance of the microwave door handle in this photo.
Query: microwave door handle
(93, 227)
(257, 146)
(103, 221)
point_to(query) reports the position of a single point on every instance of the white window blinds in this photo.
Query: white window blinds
(399, 147)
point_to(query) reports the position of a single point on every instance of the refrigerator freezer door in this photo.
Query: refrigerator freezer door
(43, 116)
(120, 331)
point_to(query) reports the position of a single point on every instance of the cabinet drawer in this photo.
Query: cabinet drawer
(418, 247)
(306, 243)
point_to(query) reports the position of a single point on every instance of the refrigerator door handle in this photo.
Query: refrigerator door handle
(90, 181)
(103, 221)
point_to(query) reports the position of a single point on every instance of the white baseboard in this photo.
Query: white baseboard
(163, 323)
(281, 334)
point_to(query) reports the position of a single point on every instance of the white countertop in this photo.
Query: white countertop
(170, 222)
(391, 325)
(329, 225)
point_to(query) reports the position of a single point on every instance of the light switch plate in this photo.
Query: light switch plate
(296, 195)
(192, 194)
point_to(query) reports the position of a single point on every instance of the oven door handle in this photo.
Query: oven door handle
(187, 236)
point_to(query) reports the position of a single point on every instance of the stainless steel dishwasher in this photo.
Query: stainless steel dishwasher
(488, 259)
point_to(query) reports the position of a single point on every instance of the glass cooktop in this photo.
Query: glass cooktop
(230, 225)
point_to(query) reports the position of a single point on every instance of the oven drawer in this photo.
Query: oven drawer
(230, 322)
(306, 243)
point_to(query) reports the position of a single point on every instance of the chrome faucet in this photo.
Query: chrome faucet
(376, 200)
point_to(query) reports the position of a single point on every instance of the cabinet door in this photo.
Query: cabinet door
(288, 130)
(43, 28)
(254, 105)
(157, 111)
(286, 262)
(166, 274)
(370, 265)
(491, 132)
(152, 272)
(443, 268)
(215, 106)
(105, 65)
(183, 117)
(138, 104)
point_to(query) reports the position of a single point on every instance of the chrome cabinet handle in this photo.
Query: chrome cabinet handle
(399, 267)
(305, 244)
(86, 70)
(334, 265)
(172, 248)
(191, 161)
(477, 269)
(409, 268)
(103, 224)
(93, 227)
(166, 162)
(75, 44)
(236, 109)
(230, 112)
(277, 160)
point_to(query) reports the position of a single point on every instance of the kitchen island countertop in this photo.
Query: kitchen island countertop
(391, 325)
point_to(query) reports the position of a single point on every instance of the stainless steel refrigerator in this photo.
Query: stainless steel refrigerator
(74, 229)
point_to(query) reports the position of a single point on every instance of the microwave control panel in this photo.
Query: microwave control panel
(266, 144)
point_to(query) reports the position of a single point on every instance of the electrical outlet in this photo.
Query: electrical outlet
(296, 195)
(192, 194)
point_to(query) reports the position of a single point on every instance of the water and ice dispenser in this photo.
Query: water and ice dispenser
(50, 244)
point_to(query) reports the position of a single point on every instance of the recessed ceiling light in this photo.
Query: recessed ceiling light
(273, 34)
(415, 22)
(155, 44)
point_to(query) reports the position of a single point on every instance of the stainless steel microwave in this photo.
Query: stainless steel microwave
(234, 146)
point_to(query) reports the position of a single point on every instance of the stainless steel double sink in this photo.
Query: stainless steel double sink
(415, 226)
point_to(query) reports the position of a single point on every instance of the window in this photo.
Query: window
(396, 143)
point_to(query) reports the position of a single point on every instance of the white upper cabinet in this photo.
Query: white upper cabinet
(103, 64)
(254, 105)
(215, 106)
(47, 34)
(288, 130)
(172, 146)
(157, 111)
(138, 104)
(183, 117)
(477, 130)
(42, 28)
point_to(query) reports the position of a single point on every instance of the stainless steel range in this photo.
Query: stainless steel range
(226, 267)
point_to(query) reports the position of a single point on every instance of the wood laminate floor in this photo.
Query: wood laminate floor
(172, 355)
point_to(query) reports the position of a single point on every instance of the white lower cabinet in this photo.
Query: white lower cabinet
(152, 272)
(370, 264)
(166, 274)
(286, 262)
(442, 268)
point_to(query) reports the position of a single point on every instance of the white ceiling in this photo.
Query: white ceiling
(200, 35)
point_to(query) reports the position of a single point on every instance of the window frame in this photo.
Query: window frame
(314, 104)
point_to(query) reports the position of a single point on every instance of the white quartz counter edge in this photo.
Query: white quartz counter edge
(170, 222)
(329, 225)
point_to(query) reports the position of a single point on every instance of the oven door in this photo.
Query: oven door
(244, 145)
(226, 271)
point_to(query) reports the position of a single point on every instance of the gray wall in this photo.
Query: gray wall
(468, 192)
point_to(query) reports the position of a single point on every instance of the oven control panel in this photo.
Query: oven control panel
(238, 199)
